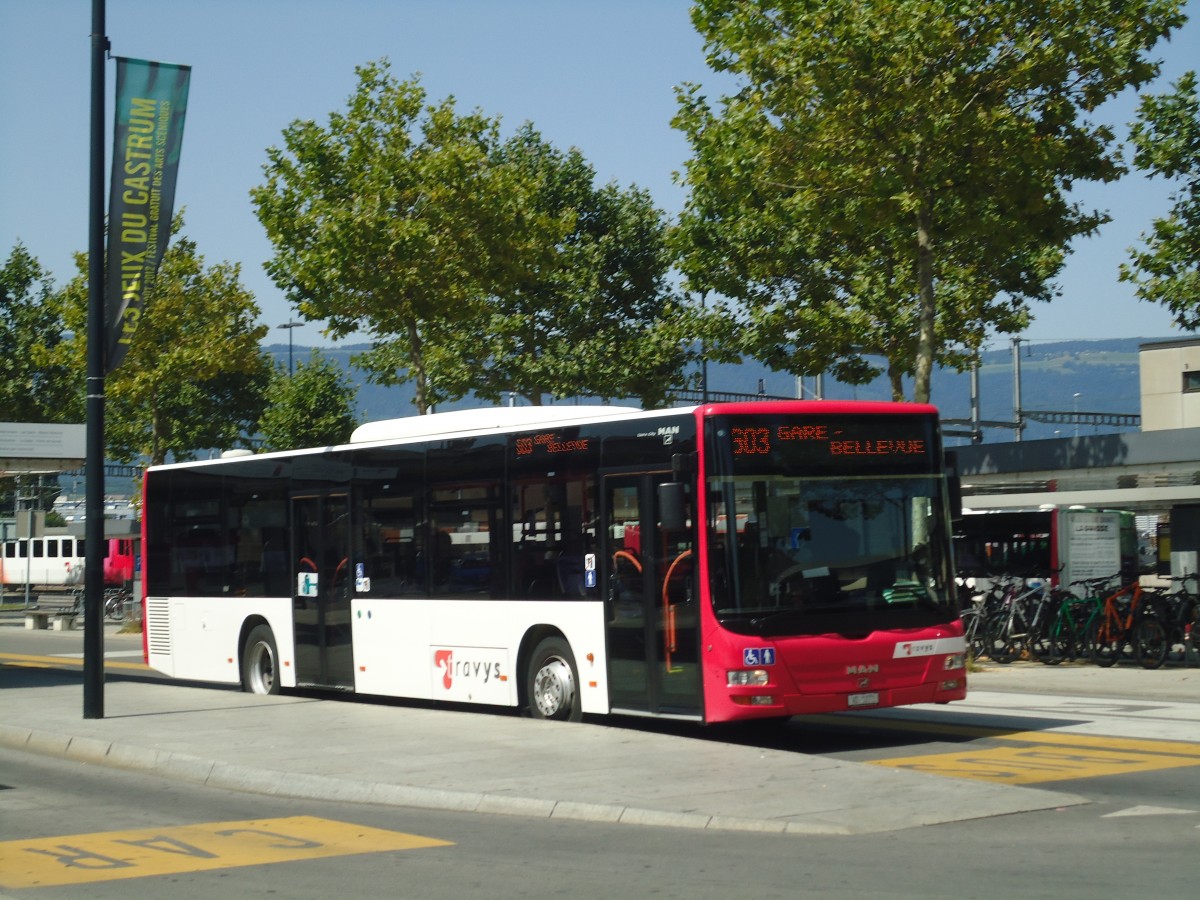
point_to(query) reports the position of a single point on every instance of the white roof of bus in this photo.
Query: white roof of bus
(457, 423)
(490, 419)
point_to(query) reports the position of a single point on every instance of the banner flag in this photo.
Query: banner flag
(147, 136)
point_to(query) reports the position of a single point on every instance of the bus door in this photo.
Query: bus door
(322, 585)
(651, 607)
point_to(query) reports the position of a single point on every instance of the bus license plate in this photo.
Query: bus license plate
(871, 699)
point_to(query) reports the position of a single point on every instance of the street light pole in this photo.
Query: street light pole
(289, 325)
(93, 586)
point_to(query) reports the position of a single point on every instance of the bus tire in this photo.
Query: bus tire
(552, 682)
(260, 662)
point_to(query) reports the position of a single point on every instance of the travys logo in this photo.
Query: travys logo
(930, 647)
(466, 669)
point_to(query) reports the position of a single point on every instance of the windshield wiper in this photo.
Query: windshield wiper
(760, 623)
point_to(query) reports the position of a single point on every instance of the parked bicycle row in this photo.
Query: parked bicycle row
(1087, 620)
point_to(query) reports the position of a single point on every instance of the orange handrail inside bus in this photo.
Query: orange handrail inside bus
(669, 642)
(626, 555)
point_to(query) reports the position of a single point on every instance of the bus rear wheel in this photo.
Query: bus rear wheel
(260, 660)
(552, 683)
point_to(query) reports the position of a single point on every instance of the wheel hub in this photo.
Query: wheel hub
(553, 688)
(264, 669)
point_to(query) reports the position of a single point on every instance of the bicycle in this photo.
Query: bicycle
(1168, 621)
(1075, 615)
(114, 603)
(1113, 629)
(977, 615)
(1022, 625)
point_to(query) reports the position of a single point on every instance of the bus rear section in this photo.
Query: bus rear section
(828, 562)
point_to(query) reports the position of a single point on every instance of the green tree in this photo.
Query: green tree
(312, 407)
(1166, 138)
(194, 378)
(892, 176)
(596, 315)
(33, 388)
(392, 220)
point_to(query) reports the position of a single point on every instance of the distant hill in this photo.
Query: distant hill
(1103, 373)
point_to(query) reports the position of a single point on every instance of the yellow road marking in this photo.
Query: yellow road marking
(932, 729)
(44, 662)
(1044, 756)
(1135, 745)
(116, 855)
(1038, 763)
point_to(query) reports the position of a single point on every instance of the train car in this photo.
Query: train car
(57, 561)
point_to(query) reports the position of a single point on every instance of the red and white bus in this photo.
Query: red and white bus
(714, 563)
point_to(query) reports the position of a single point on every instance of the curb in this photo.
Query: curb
(271, 782)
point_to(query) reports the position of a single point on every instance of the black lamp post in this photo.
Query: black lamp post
(289, 325)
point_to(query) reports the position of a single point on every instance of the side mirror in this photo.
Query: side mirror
(954, 486)
(672, 506)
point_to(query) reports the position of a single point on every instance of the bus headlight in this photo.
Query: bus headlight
(956, 661)
(744, 677)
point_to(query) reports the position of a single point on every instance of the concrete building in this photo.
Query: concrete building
(1170, 384)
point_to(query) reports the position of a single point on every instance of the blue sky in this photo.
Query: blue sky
(597, 75)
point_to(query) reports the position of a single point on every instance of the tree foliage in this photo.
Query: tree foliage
(1166, 138)
(892, 176)
(596, 315)
(33, 386)
(311, 407)
(392, 220)
(474, 264)
(194, 377)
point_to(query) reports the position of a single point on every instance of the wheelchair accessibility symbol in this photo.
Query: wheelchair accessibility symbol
(758, 656)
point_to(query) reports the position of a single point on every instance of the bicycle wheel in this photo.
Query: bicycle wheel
(1039, 642)
(1149, 643)
(1084, 617)
(975, 632)
(1058, 641)
(1001, 646)
(114, 606)
(1105, 643)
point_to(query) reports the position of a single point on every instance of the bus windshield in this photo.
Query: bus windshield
(819, 539)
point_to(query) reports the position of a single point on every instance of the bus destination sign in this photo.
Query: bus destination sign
(842, 442)
(749, 441)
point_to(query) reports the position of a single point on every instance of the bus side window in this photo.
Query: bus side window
(553, 533)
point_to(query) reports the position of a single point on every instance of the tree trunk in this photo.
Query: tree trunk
(157, 455)
(896, 378)
(417, 358)
(927, 312)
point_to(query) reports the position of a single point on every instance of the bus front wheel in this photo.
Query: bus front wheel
(260, 673)
(553, 682)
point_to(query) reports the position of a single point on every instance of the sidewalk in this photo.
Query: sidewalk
(440, 759)
(472, 761)
(1126, 680)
